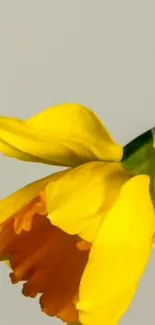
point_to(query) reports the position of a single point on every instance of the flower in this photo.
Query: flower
(82, 237)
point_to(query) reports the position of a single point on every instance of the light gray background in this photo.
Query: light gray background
(98, 53)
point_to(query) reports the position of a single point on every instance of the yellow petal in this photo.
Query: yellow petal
(77, 202)
(66, 135)
(17, 200)
(12, 152)
(118, 256)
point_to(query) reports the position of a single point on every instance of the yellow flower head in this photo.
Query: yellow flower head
(80, 237)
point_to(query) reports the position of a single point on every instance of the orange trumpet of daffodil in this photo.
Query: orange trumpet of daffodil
(82, 237)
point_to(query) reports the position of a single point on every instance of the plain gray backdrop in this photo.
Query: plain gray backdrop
(98, 53)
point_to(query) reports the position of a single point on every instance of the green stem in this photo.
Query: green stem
(139, 157)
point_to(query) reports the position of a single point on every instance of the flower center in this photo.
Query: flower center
(48, 260)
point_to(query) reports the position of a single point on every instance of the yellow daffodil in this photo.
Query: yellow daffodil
(81, 237)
